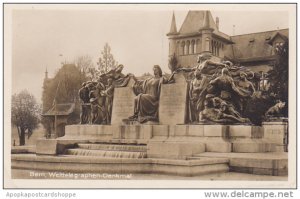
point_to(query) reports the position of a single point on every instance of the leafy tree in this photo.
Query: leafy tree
(106, 61)
(173, 63)
(279, 76)
(63, 88)
(86, 65)
(25, 114)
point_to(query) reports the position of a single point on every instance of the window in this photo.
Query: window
(193, 47)
(182, 48)
(187, 47)
(268, 38)
(196, 45)
(178, 47)
(207, 44)
(212, 47)
(215, 48)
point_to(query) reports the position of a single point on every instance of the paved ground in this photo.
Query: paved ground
(28, 174)
(258, 156)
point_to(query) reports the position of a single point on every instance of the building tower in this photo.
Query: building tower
(172, 33)
(206, 31)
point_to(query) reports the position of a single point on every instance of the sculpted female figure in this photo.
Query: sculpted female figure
(146, 103)
(247, 86)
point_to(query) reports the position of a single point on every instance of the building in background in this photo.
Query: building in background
(200, 34)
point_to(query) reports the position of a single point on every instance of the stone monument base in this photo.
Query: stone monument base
(276, 132)
(153, 148)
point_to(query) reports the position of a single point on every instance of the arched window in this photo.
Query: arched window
(196, 45)
(193, 47)
(207, 44)
(178, 47)
(182, 48)
(213, 47)
(187, 48)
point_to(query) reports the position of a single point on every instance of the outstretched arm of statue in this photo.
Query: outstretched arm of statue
(215, 63)
(171, 78)
(185, 69)
(132, 76)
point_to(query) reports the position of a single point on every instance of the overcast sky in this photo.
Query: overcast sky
(137, 38)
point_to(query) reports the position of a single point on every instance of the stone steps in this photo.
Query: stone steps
(86, 164)
(272, 163)
(108, 150)
(105, 153)
(113, 147)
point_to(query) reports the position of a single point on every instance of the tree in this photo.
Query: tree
(25, 114)
(106, 60)
(173, 63)
(85, 64)
(66, 83)
(279, 76)
(64, 89)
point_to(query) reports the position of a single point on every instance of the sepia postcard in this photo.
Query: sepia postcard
(149, 96)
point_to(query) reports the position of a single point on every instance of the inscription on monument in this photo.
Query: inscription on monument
(123, 104)
(172, 104)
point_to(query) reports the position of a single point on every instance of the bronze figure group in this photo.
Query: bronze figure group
(97, 96)
(218, 93)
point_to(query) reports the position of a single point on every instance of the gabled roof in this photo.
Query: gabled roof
(61, 109)
(278, 34)
(194, 21)
(253, 46)
(197, 20)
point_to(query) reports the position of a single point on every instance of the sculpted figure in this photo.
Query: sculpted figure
(227, 92)
(205, 71)
(206, 66)
(225, 88)
(85, 106)
(108, 93)
(98, 114)
(195, 89)
(146, 103)
(223, 114)
(244, 84)
(275, 111)
(96, 111)
(119, 79)
(218, 103)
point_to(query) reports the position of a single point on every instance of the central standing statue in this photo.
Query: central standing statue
(146, 103)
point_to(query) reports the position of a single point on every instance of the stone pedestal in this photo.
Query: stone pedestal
(53, 146)
(244, 131)
(133, 132)
(172, 102)
(277, 132)
(90, 132)
(216, 138)
(123, 104)
(174, 150)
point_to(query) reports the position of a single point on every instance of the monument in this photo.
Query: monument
(169, 124)
(211, 117)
